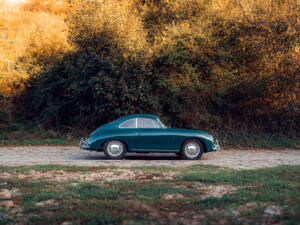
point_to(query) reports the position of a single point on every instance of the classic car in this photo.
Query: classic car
(142, 133)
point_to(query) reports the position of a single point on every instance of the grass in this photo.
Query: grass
(3, 219)
(150, 170)
(251, 139)
(214, 175)
(143, 201)
(44, 168)
(17, 133)
(38, 142)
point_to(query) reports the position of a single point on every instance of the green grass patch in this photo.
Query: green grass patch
(4, 217)
(55, 167)
(144, 201)
(279, 186)
(156, 191)
(246, 140)
(214, 175)
(21, 133)
(87, 191)
(39, 142)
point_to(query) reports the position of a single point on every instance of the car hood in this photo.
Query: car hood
(193, 132)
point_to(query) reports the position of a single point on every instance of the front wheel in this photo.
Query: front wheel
(114, 149)
(192, 149)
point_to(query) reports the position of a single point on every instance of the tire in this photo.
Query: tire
(114, 149)
(192, 149)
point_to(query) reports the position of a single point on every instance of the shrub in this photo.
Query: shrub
(220, 65)
(49, 6)
(201, 64)
(100, 79)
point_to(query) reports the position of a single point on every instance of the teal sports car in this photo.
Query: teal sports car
(142, 133)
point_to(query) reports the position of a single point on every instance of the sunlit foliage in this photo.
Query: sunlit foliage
(202, 64)
(31, 35)
(49, 6)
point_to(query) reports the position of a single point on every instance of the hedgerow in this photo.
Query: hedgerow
(201, 64)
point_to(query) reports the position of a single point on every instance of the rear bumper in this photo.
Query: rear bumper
(215, 146)
(84, 144)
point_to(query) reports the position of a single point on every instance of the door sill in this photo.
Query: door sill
(154, 150)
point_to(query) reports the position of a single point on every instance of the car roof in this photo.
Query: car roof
(138, 116)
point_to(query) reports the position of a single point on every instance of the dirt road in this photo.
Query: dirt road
(238, 159)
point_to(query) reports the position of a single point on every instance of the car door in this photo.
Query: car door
(128, 132)
(151, 136)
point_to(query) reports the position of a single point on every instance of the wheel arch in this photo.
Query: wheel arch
(118, 139)
(98, 141)
(197, 138)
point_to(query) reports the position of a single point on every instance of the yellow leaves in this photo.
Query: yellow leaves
(12, 83)
(27, 33)
(227, 44)
(119, 19)
(49, 6)
(220, 4)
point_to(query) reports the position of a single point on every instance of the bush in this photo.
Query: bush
(221, 65)
(49, 6)
(96, 81)
(3, 115)
(200, 64)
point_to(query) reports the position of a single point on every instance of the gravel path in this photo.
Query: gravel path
(238, 159)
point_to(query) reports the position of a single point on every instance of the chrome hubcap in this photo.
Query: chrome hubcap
(115, 148)
(192, 149)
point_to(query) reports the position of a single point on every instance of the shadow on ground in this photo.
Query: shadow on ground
(132, 156)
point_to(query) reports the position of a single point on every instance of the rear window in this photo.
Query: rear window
(147, 123)
(128, 124)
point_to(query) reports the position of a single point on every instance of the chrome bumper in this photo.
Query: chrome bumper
(216, 146)
(84, 144)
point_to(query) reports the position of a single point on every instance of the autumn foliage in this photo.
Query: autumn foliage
(214, 64)
(49, 6)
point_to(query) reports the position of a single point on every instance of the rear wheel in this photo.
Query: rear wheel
(114, 149)
(192, 149)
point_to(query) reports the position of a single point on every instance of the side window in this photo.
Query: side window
(147, 123)
(128, 124)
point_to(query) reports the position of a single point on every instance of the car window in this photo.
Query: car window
(128, 123)
(147, 123)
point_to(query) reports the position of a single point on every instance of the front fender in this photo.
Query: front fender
(206, 142)
(211, 145)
